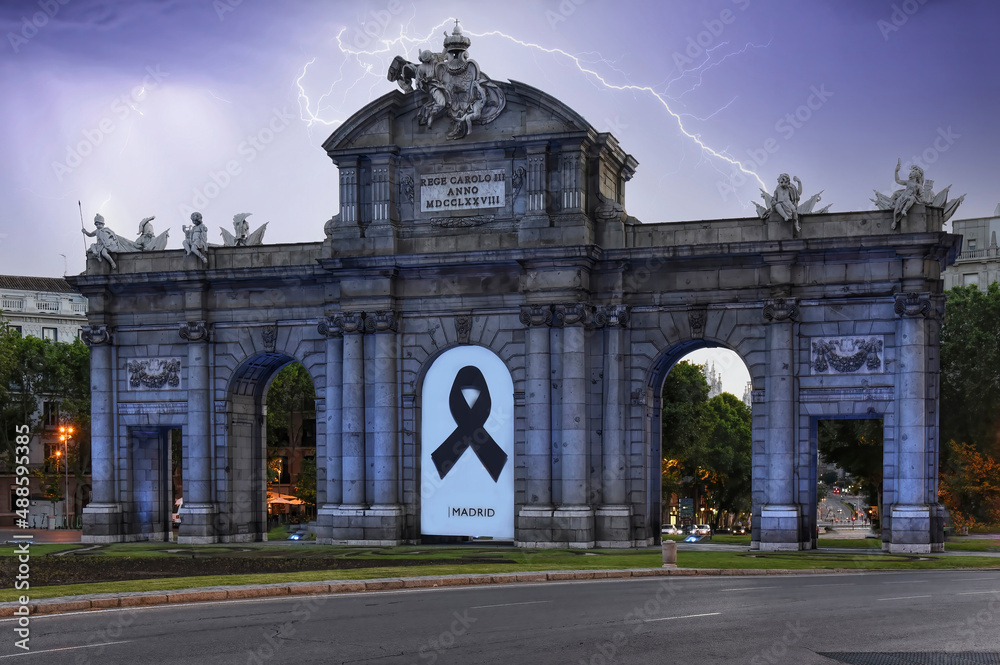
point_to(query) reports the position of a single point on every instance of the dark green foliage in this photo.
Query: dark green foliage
(970, 368)
(705, 443)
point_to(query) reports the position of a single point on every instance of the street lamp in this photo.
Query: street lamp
(65, 434)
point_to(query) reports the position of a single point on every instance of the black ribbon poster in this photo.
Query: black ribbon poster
(469, 432)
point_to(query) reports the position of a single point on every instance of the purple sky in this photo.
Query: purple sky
(885, 79)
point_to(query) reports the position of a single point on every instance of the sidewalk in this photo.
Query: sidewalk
(42, 536)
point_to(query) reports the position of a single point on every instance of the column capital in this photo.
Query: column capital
(382, 321)
(536, 315)
(95, 335)
(349, 322)
(329, 327)
(912, 305)
(780, 310)
(193, 331)
(612, 316)
(574, 314)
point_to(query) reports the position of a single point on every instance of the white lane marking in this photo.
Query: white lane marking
(749, 588)
(907, 582)
(527, 602)
(974, 593)
(686, 616)
(903, 597)
(82, 646)
(834, 584)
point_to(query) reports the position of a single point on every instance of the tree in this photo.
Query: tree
(684, 394)
(855, 445)
(291, 402)
(970, 486)
(727, 422)
(33, 371)
(305, 484)
(706, 443)
(970, 368)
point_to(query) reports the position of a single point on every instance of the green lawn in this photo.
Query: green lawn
(488, 560)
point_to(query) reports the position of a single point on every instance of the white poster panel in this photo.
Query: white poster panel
(467, 446)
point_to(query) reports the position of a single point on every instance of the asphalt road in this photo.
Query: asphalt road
(773, 619)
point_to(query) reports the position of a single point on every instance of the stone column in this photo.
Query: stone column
(333, 459)
(353, 410)
(779, 522)
(534, 520)
(385, 429)
(538, 407)
(613, 518)
(198, 514)
(910, 514)
(574, 518)
(102, 518)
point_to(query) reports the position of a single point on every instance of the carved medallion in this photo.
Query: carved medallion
(194, 331)
(269, 335)
(463, 328)
(780, 310)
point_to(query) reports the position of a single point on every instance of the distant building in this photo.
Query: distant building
(978, 264)
(47, 308)
(43, 307)
(713, 378)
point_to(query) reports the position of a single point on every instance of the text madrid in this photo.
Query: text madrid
(471, 512)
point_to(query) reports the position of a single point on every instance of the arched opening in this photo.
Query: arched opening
(701, 427)
(261, 461)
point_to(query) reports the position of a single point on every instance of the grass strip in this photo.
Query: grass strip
(649, 559)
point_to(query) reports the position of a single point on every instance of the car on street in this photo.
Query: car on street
(670, 530)
(739, 529)
(702, 530)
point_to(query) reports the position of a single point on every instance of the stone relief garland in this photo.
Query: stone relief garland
(847, 355)
(154, 373)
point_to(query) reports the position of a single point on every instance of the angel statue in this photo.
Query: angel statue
(785, 201)
(916, 189)
(243, 237)
(196, 237)
(148, 241)
(107, 243)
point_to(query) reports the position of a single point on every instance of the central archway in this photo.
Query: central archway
(661, 367)
(242, 490)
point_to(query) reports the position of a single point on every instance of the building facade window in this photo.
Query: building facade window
(50, 414)
(971, 244)
(50, 334)
(17, 329)
(970, 279)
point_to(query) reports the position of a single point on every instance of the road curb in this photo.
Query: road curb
(208, 594)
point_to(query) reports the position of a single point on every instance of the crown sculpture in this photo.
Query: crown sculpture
(454, 84)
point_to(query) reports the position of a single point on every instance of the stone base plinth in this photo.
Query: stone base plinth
(573, 526)
(102, 523)
(910, 530)
(377, 526)
(779, 529)
(533, 527)
(613, 526)
(199, 524)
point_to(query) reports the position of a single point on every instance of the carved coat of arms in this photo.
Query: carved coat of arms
(454, 84)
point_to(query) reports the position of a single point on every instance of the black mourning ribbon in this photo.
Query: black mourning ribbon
(470, 432)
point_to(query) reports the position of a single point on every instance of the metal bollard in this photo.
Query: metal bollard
(669, 554)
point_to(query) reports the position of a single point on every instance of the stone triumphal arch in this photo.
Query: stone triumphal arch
(488, 332)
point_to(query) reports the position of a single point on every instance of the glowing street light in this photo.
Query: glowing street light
(65, 434)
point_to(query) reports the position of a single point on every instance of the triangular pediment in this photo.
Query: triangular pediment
(394, 119)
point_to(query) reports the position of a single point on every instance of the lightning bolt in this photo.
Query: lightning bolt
(312, 113)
